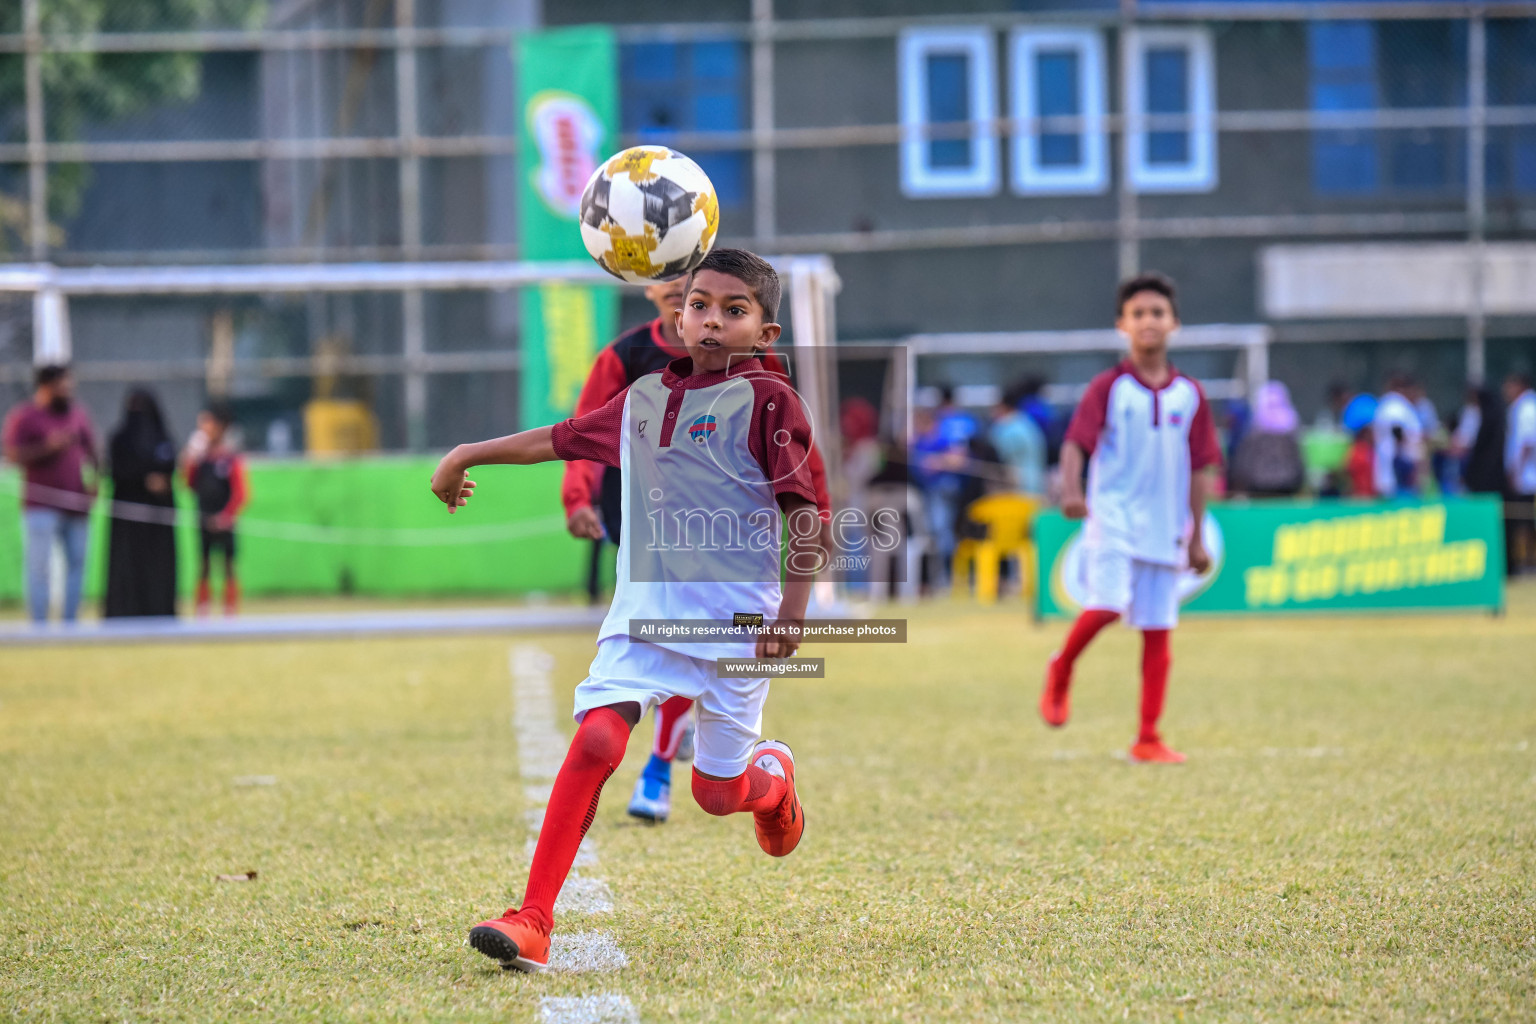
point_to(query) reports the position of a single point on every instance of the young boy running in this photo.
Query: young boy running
(1150, 435)
(591, 494)
(714, 437)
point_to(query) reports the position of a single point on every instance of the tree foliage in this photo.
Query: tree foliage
(81, 89)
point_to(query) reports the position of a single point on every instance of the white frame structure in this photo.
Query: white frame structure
(1029, 176)
(919, 179)
(1199, 174)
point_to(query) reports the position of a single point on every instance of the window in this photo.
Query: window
(1343, 55)
(1408, 65)
(1056, 85)
(1171, 94)
(947, 94)
(690, 87)
(1512, 83)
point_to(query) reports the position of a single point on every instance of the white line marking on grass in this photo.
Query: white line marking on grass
(541, 751)
(586, 952)
(584, 896)
(603, 1009)
(586, 853)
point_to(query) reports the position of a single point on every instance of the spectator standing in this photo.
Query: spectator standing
(141, 555)
(1019, 442)
(1267, 462)
(943, 454)
(51, 439)
(1482, 467)
(1360, 464)
(1395, 410)
(216, 474)
(1519, 468)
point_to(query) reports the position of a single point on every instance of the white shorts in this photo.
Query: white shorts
(1146, 593)
(730, 710)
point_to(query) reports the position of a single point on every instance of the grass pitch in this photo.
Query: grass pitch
(1352, 838)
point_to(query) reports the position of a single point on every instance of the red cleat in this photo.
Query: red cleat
(1155, 752)
(1055, 702)
(513, 940)
(779, 831)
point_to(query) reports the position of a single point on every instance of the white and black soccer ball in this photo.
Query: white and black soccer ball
(649, 214)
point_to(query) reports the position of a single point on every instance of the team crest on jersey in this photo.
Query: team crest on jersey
(1176, 418)
(701, 428)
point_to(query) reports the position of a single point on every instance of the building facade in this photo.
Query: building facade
(973, 168)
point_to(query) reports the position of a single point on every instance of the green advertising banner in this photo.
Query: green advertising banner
(568, 100)
(1288, 556)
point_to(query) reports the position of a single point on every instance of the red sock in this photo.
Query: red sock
(671, 719)
(1084, 630)
(1155, 662)
(753, 790)
(596, 751)
(231, 596)
(204, 596)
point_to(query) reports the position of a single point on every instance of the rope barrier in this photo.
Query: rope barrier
(307, 533)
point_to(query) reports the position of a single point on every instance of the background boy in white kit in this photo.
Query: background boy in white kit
(713, 436)
(1151, 437)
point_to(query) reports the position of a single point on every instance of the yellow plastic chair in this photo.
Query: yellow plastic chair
(1007, 518)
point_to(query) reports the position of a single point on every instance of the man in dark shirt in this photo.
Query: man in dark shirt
(51, 439)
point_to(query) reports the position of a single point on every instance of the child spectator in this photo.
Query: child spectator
(216, 474)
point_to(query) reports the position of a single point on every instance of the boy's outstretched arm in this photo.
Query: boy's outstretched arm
(1199, 492)
(450, 481)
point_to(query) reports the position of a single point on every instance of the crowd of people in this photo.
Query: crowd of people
(51, 439)
(1363, 446)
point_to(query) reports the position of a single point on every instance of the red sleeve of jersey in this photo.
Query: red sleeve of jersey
(594, 436)
(780, 439)
(814, 462)
(578, 488)
(238, 492)
(1204, 447)
(1088, 421)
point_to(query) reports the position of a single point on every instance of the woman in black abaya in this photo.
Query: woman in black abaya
(141, 561)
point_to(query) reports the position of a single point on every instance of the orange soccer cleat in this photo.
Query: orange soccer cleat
(779, 830)
(514, 940)
(1154, 751)
(1055, 700)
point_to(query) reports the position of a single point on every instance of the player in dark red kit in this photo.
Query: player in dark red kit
(216, 474)
(591, 494)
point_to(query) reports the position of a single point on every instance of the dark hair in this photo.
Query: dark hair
(49, 374)
(751, 270)
(1014, 395)
(1151, 281)
(1519, 378)
(220, 411)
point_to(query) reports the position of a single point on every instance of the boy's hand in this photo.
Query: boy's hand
(1199, 558)
(781, 640)
(584, 524)
(451, 485)
(1074, 505)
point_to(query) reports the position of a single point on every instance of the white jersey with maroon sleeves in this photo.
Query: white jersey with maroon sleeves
(706, 459)
(1144, 443)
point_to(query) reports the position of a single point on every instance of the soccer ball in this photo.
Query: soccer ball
(649, 214)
